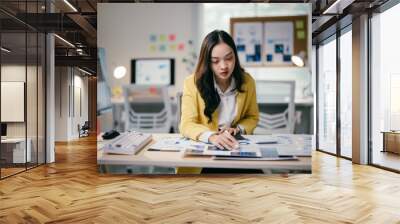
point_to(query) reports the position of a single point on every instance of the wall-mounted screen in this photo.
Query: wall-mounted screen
(12, 101)
(153, 71)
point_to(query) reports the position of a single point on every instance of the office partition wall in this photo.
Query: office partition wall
(23, 87)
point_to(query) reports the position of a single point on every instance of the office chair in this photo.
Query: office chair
(84, 129)
(272, 93)
(148, 109)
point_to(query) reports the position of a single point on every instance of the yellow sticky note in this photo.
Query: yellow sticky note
(299, 24)
(163, 37)
(152, 48)
(300, 34)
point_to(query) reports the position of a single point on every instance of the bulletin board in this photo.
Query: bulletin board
(270, 41)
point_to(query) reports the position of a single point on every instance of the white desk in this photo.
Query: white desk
(172, 160)
(18, 149)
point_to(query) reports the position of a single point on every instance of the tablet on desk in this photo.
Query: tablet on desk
(267, 154)
(244, 154)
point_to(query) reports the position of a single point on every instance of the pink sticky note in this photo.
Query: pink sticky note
(172, 37)
(181, 46)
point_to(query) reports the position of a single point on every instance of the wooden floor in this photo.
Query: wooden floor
(387, 159)
(71, 191)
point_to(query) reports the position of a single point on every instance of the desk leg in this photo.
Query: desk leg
(384, 143)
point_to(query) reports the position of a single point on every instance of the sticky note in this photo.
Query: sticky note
(162, 48)
(299, 24)
(163, 37)
(172, 37)
(172, 47)
(152, 48)
(181, 46)
(153, 38)
(300, 34)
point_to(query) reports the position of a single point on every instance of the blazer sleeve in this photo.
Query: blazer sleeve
(251, 117)
(190, 126)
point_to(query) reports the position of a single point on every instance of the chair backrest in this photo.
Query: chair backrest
(276, 93)
(147, 109)
(178, 109)
(86, 126)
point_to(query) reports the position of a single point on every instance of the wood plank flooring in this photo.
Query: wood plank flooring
(387, 159)
(71, 191)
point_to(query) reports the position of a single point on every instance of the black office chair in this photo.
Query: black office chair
(84, 130)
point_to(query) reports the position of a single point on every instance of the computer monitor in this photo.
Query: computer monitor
(3, 129)
(153, 71)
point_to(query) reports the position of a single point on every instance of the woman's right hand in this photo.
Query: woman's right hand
(224, 140)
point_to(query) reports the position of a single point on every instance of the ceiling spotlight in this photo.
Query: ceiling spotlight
(299, 59)
(70, 5)
(5, 50)
(84, 71)
(65, 41)
(119, 72)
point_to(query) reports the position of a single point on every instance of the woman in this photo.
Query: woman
(219, 99)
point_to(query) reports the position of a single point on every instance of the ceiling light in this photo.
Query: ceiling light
(299, 59)
(119, 72)
(84, 71)
(338, 6)
(70, 5)
(5, 49)
(64, 40)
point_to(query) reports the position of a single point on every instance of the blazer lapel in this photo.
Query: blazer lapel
(240, 106)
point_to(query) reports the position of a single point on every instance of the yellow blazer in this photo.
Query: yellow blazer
(193, 120)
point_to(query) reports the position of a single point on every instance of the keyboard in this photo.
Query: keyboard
(128, 143)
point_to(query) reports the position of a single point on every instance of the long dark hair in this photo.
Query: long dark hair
(204, 74)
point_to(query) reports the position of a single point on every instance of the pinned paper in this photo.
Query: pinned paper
(163, 37)
(300, 34)
(299, 24)
(172, 37)
(163, 48)
(153, 38)
(152, 48)
(181, 46)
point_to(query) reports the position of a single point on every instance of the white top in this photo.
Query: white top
(227, 108)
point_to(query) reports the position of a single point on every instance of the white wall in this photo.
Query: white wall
(66, 119)
(124, 29)
(17, 73)
(33, 126)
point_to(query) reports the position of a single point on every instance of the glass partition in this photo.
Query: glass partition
(327, 96)
(22, 87)
(31, 97)
(14, 153)
(346, 93)
(385, 89)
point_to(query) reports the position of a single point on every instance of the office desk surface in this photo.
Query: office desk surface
(176, 159)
